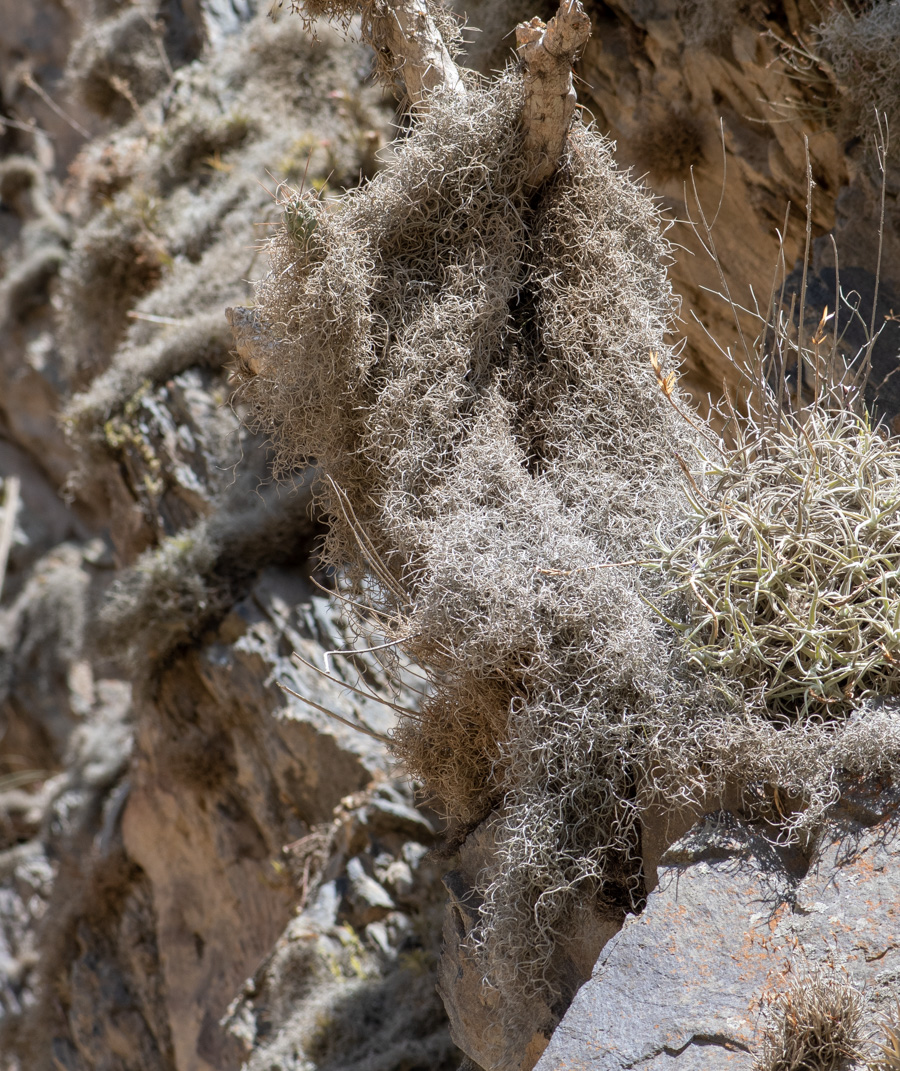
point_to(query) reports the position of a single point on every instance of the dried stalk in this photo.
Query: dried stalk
(547, 53)
(8, 523)
(422, 57)
(405, 36)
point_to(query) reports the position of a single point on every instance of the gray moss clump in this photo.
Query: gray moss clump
(470, 367)
(113, 262)
(792, 566)
(165, 210)
(480, 372)
(176, 591)
(862, 50)
(120, 63)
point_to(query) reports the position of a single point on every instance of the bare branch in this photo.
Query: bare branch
(547, 53)
(410, 34)
(408, 40)
(405, 36)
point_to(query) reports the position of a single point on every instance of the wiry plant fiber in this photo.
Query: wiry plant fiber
(793, 563)
(863, 51)
(469, 366)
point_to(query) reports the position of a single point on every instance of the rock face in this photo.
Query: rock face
(350, 981)
(705, 101)
(198, 871)
(165, 807)
(473, 1009)
(734, 919)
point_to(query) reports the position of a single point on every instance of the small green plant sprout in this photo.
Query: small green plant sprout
(814, 1025)
(300, 215)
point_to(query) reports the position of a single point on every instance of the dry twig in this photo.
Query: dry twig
(8, 523)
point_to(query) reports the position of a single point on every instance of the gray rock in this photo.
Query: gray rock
(222, 18)
(385, 814)
(399, 877)
(350, 989)
(682, 985)
(322, 911)
(474, 1011)
(370, 900)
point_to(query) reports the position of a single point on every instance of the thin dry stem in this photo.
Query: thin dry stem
(358, 726)
(11, 488)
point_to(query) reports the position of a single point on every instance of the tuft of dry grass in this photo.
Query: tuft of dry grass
(791, 563)
(888, 1048)
(861, 50)
(669, 144)
(815, 1024)
(846, 68)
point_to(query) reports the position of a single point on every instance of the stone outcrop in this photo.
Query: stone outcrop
(160, 793)
(734, 920)
(473, 1010)
(350, 981)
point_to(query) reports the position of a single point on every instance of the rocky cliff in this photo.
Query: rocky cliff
(199, 870)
